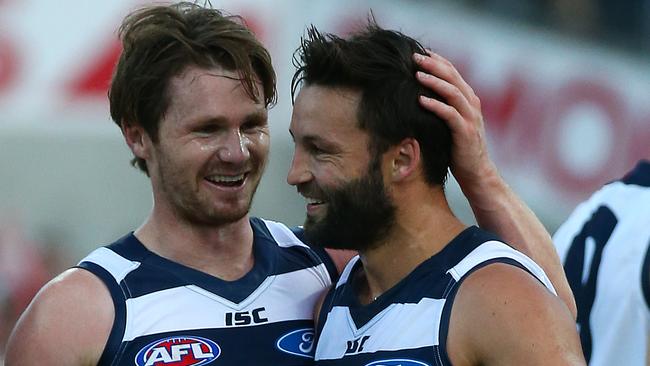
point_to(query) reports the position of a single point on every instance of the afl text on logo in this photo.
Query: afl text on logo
(178, 351)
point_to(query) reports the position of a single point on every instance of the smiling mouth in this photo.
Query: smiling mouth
(315, 205)
(314, 201)
(230, 181)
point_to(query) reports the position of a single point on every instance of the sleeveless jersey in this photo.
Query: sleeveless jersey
(604, 247)
(408, 324)
(170, 314)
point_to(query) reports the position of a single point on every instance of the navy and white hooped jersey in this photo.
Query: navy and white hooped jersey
(170, 314)
(604, 246)
(408, 324)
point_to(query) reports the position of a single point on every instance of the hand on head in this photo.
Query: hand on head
(462, 112)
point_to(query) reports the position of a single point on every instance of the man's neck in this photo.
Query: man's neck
(421, 230)
(224, 251)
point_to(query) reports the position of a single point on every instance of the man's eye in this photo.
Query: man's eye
(250, 126)
(253, 125)
(316, 149)
(207, 129)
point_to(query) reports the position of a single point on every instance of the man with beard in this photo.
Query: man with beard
(425, 288)
(200, 280)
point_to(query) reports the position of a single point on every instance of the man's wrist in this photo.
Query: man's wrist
(485, 189)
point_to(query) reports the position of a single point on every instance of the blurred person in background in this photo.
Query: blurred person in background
(425, 289)
(604, 245)
(200, 278)
(25, 265)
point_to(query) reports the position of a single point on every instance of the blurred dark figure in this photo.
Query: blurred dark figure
(25, 266)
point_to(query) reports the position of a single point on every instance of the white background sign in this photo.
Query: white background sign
(563, 117)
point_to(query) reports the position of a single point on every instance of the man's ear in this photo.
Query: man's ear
(405, 162)
(137, 139)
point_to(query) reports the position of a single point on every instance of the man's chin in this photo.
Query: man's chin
(220, 216)
(311, 221)
(312, 231)
(319, 235)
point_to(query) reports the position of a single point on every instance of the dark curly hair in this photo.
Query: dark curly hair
(378, 63)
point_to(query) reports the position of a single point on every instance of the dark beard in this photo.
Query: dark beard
(359, 213)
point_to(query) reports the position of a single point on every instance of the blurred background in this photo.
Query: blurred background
(565, 87)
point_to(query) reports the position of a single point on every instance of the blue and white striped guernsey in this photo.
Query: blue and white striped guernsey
(170, 314)
(605, 248)
(408, 324)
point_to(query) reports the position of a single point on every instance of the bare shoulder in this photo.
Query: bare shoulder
(503, 315)
(69, 319)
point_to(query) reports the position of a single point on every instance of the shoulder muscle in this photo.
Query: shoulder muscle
(69, 319)
(502, 315)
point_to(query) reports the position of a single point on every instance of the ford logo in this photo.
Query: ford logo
(299, 342)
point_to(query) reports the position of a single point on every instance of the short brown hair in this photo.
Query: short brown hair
(159, 42)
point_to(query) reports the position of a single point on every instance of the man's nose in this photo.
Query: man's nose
(233, 148)
(298, 172)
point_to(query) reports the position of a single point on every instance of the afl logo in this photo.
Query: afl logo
(397, 362)
(178, 351)
(299, 342)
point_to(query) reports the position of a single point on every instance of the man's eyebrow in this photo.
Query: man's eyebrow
(321, 142)
(260, 114)
(207, 119)
(257, 116)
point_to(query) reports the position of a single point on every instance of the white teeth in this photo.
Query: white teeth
(313, 201)
(226, 178)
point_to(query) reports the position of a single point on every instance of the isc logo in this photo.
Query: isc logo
(178, 351)
(246, 317)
